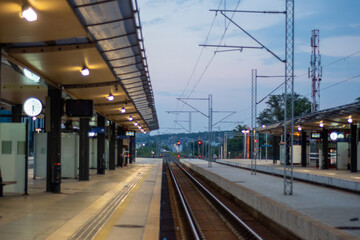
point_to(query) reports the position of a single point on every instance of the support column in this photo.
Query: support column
(275, 148)
(53, 128)
(325, 163)
(131, 149)
(120, 160)
(287, 150)
(112, 147)
(16, 113)
(84, 149)
(101, 146)
(353, 147)
(303, 148)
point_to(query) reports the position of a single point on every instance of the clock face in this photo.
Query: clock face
(32, 107)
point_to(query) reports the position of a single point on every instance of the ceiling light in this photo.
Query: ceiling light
(263, 126)
(28, 13)
(299, 128)
(131, 118)
(321, 124)
(85, 71)
(110, 97)
(350, 120)
(123, 110)
(31, 76)
(135, 123)
(139, 127)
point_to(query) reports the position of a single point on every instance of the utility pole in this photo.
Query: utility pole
(253, 121)
(289, 98)
(315, 71)
(289, 81)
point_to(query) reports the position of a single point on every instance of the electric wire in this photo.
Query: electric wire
(212, 58)
(329, 64)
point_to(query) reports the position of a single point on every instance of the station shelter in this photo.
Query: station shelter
(324, 139)
(75, 89)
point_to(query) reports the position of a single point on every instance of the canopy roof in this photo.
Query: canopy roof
(333, 118)
(103, 35)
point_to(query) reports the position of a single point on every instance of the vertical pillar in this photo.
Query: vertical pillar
(121, 133)
(134, 148)
(131, 149)
(84, 149)
(112, 147)
(325, 152)
(54, 112)
(303, 148)
(353, 147)
(16, 111)
(101, 146)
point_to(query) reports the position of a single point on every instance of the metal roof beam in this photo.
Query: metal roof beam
(55, 48)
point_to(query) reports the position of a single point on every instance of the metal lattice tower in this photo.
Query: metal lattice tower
(289, 98)
(253, 120)
(315, 71)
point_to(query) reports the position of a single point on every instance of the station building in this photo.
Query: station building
(75, 89)
(324, 139)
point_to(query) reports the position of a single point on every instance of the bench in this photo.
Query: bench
(4, 183)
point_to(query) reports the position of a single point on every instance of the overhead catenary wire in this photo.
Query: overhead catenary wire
(198, 60)
(329, 64)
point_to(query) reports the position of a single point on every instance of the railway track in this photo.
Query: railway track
(205, 214)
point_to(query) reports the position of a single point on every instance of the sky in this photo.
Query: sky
(180, 68)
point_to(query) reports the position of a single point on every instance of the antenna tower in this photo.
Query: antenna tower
(315, 71)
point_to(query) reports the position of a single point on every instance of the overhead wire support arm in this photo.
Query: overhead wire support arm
(181, 99)
(267, 49)
(247, 11)
(225, 46)
(227, 116)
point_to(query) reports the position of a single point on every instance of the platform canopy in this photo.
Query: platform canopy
(101, 35)
(333, 118)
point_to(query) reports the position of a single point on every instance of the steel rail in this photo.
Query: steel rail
(187, 212)
(252, 234)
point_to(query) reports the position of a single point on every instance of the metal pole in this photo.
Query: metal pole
(253, 148)
(26, 155)
(289, 97)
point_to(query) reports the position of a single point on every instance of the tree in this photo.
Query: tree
(275, 108)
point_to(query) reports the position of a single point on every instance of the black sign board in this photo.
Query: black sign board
(315, 135)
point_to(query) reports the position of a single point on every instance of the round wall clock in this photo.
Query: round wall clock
(32, 107)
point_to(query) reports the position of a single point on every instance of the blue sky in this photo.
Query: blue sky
(173, 31)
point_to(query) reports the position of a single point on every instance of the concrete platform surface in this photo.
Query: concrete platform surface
(313, 212)
(130, 196)
(343, 179)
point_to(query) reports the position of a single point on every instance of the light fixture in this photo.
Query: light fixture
(263, 126)
(350, 120)
(139, 127)
(110, 97)
(130, 118)
(34, 118)
(321, 124)
(123, 110)
(30, 75)
(135, 123)
(334, 136)
(28, 13)
(85, 71)
(299, 128)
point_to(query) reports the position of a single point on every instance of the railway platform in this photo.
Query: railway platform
(342, 179)
(124, 202)
(312, 212)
